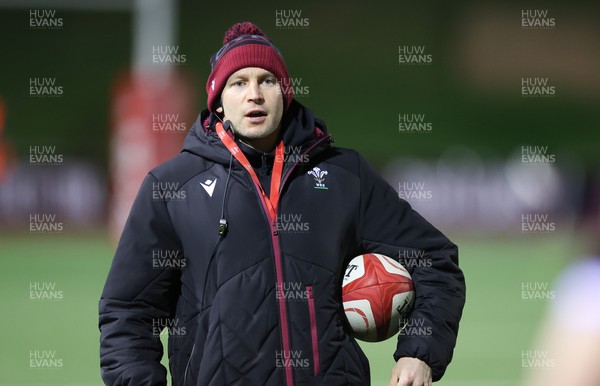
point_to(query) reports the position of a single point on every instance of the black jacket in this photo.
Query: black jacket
(261, 304)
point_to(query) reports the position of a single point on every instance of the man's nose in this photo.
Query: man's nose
(254, 92)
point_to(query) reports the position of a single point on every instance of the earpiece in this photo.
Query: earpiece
(220, 108)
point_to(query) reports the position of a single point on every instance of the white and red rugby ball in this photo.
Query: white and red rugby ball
(377, 291)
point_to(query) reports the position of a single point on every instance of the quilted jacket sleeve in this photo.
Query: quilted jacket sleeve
(391, 227)
(138, 296)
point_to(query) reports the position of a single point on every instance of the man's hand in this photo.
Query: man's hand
(410, 372)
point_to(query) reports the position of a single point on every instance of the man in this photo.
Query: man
(255, 303)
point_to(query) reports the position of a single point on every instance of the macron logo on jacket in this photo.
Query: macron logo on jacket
(209, 186)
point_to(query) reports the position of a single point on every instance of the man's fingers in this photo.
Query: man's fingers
(393, 379)
(410, 372)
(406, 379)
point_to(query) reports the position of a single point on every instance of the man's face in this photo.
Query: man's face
(253, 102)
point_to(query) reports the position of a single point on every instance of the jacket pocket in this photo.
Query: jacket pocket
(313, 329)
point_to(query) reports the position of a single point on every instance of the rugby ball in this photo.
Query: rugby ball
(377, 292)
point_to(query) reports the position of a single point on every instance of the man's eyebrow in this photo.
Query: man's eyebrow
(245, 77)
(266, 75)
(239, 77)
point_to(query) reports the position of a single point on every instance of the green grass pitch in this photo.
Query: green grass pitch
(497, 325)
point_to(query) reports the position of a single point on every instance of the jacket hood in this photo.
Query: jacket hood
(299, 128)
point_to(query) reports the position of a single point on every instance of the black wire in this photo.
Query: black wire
(222, 232)
(226, 186)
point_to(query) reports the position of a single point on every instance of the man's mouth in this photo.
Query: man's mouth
(256, 113)
(256, 116)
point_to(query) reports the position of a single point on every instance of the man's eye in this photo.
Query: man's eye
(239, 83)
(270, 81)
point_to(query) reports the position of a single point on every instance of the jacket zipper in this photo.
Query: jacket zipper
(281, 298)
(283, 319)
(263, 166)
(313, 329)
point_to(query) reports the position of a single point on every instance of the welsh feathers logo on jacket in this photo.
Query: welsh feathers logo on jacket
(319, 176)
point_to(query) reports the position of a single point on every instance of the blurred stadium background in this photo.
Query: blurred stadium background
(95, 93)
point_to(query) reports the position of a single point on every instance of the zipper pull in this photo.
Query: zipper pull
(309, 291)
(263, 168)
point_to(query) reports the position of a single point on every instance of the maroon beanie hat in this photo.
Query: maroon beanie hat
(245, 45)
